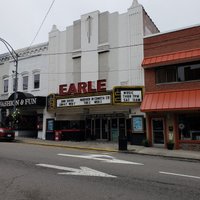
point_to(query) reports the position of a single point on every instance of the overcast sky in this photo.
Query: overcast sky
(21, 19)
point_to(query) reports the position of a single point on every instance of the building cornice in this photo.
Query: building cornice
(26, 52)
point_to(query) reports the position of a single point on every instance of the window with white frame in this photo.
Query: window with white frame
(36, 79)
(25, 82)
(14, 84)
(5, 85)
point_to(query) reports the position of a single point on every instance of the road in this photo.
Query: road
(29, 172)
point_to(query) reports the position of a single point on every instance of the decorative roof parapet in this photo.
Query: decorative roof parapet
(134, 4)
(26, 52)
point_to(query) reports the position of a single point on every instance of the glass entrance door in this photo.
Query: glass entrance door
(158, 132)
(105, 129)
(98, 128)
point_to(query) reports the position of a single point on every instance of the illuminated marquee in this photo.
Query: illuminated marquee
(131, 96)
(84, 101)
(127, 95)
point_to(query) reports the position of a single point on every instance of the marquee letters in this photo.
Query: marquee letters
(82, 88)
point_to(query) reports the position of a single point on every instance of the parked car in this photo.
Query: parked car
(6, 133)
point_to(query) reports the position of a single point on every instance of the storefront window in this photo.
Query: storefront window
(189, 127)
(27, 122)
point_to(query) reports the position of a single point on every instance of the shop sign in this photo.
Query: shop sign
(82, 87)
(84, 101)
(23, 102)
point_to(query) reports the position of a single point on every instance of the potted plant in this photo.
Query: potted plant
(16, 115)
(170, 145)
(146, 143)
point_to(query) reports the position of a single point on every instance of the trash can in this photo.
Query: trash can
(122, 141)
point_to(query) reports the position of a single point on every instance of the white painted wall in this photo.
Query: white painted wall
(28, 63)
(125, 39)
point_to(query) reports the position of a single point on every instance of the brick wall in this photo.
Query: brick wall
(167, 43)
(180, 40)
(192, 147)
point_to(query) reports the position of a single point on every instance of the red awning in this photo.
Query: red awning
(171, 100)
(172, 58)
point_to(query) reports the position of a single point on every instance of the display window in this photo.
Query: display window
(189, 126)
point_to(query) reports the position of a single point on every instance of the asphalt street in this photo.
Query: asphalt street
(29, 172)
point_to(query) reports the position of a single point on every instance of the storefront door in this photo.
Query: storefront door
(98, 128)
(105, 128)
(158, 132)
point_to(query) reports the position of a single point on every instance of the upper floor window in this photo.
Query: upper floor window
(186, 72)
(25, 82)
(5, 85)
(14, 84)
(166, 75)
(189, 72)
(36, 81)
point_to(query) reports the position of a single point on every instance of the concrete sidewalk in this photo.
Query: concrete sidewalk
(113, 147)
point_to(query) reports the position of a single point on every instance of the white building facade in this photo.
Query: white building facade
(31, 90)
(92, 75)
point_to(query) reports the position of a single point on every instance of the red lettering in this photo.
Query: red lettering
(63, 89)
(82, 87)
(101, 85)
(90, 89)
(72, 89)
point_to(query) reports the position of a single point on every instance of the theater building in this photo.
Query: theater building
(172, 88)
(93, 64)
(91, 73)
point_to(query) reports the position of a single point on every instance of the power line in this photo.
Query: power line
(71, 72)
(173, 41)
(42, 23)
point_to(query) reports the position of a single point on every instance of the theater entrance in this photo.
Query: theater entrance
(105, 128)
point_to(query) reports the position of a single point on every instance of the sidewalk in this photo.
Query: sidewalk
(113, 147)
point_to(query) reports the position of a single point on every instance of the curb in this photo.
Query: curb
(66, 146)
(107, 150)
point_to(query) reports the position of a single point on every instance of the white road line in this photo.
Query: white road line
(183, 175)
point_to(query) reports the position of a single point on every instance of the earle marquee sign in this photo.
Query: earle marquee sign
(94, 94)
(84, 101)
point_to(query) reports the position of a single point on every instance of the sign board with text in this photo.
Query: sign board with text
(84, 101)
(127, 95)
(33, 101)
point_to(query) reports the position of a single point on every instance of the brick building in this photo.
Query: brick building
(172, 88)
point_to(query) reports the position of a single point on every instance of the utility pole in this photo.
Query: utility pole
(15, 57)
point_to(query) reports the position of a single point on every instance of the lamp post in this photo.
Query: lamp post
(15, 57)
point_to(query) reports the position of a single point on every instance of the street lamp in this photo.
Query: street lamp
(15, 57)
